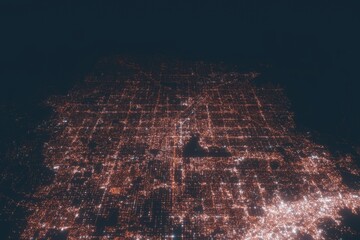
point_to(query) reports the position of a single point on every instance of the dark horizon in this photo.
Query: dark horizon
(311, 49)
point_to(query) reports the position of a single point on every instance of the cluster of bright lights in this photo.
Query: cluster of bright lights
(116, 151)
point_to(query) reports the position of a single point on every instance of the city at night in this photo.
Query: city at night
(159, 120)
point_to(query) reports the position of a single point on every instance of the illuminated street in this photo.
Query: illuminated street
(183, 150)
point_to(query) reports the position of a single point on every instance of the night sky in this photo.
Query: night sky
(312, 47)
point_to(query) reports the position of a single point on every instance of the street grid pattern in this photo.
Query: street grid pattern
(183, 151)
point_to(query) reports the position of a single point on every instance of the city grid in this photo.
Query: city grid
(183, 150)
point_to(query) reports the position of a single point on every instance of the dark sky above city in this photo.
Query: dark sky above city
(256, 28)
(312, 46)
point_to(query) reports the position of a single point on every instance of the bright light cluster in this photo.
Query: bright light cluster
(176, 150)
